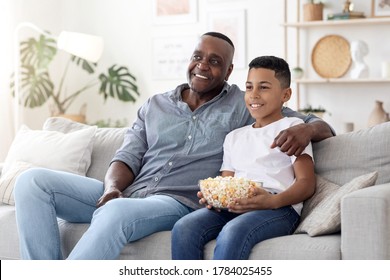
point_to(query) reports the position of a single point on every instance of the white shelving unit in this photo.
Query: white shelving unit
(327, 23)
(340, 80)
(323, 26)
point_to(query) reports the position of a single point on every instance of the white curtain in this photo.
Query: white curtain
(7, 22)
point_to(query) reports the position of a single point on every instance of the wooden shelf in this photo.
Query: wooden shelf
(340, 80)
(327, 23)
(308, 28)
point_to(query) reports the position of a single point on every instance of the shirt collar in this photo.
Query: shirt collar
(175, 95)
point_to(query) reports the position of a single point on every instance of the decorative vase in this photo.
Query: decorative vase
(297, 73)
(80, 117)
(312, 11)
(378, 115)
(74, 117)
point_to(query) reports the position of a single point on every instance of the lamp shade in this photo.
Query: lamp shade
(86, 46)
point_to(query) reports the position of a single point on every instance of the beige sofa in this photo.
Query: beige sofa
(365, 213)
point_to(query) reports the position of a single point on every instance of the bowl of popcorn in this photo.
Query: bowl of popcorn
(220, 192)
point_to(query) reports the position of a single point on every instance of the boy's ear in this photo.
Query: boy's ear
(287, 94)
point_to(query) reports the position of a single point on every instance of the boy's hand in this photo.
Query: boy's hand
(260, 200)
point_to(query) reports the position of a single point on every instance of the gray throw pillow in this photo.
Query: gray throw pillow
(321, 213)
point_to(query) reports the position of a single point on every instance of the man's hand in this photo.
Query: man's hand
(118, 177)
(293, 140)
(203, 201)
(109, 194)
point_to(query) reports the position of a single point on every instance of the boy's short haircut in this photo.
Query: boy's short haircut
(279, 65)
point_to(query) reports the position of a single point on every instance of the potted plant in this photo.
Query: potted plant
(37, 86)
(313, 10)
(111, 123)
(318, 111)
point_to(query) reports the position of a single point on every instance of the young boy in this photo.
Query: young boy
(287, 180)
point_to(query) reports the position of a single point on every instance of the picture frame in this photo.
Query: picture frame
(171, 56)
(232, 23)
(380, 8)
(175, 11)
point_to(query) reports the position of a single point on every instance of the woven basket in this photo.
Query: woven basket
(331, 57)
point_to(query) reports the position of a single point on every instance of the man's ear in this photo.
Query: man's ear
(230, 70)
(286, 94)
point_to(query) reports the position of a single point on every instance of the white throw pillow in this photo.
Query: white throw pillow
(107, 141)
(321, 213)
(70, 152)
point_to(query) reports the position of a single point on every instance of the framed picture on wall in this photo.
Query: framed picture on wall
(233, 25)
(171, 56)
(381, 8)
(175, 11)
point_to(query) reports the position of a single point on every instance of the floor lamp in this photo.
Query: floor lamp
(85, 46)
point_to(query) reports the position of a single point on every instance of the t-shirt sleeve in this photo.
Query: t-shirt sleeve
(227, 152)
(309, 148)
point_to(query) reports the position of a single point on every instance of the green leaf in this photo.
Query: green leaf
(37, 87)
(38, 53)
(119, 83)
(85, 64)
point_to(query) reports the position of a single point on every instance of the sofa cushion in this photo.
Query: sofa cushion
(107, 141)
(298, 247)
(157, 246)
(9, 239)
(321, 213)
(50, 149)
(347, 156)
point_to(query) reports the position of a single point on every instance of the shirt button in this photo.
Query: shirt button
(170, 163)
(194, 117)
(189, 137)
(155, 179)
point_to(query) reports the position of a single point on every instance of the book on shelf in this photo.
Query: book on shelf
(347, 15)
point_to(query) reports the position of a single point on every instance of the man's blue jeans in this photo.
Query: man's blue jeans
(236, 234)
(42, 195)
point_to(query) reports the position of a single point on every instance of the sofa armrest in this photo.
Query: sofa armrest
(365, 223)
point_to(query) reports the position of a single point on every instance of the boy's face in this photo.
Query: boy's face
(264, 96)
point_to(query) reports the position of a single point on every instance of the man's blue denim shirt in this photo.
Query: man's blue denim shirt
(170, 148)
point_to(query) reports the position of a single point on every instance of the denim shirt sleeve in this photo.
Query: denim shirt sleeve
(134, 144)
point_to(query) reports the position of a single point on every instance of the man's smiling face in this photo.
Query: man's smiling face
(210, 65)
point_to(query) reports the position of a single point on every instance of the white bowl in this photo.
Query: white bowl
(220, 192)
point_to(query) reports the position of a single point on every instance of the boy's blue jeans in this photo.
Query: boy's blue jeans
(42, 195)
(236, 234)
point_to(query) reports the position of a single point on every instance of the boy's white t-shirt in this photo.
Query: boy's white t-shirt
(248, 154)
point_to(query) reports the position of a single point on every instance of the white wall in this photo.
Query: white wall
(128, 31)
(6, 24)
(12, 13)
